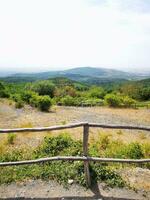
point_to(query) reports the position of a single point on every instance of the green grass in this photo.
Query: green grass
(62, 171)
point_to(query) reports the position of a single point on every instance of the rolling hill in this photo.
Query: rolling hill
(83, 74)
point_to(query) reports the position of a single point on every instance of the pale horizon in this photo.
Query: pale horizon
(50, 35)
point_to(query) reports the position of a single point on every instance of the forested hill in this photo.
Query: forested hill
(83, 74)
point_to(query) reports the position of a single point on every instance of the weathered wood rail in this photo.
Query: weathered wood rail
(85, 158)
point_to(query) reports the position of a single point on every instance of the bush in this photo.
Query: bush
(34, 100)
(43, 102)
(134, 151)
(42, 88)
(67, 101)
(128, 102)
(27, 95)
(103, 173)
(113, 100)
(96, 92)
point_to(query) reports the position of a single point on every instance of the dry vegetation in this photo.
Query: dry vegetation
(10, 117)
(29, 117)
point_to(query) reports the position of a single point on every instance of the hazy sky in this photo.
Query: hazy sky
(56, 34)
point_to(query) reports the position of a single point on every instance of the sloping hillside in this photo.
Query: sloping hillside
(83, 74)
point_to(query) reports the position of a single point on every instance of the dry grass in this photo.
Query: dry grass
(29, 117)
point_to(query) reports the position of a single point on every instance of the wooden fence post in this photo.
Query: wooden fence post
(85, 153)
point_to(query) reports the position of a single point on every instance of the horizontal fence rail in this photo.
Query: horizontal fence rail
(40, 129)
(73, 158)
(75, 125)
(85, 158)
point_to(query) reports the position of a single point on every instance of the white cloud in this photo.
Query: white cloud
(50, 34)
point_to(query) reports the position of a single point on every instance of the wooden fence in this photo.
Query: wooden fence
(85, 158)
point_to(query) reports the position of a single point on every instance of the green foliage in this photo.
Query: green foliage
(96, 92)
(11, 138)
(67, 101)
(113, 100)
(103, 173)
(117, 100)
(128, 102)
(43, 102)
(58, 170)
(71, 93)
(3, 92)
(62, 171)
(42, 88)
(134, 151)
(139, 90)
(53, 145)
(27, 95)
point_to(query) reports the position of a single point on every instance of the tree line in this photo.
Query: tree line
(65, 92)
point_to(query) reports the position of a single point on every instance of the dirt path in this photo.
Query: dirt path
(38, 189)
(11, 117)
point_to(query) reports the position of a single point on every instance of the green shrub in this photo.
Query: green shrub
(67, 101)
(134, 151)
(44, 103)
(27, 95)
(34, 100)
(113, 100)
(128, 102)
(54, 145)
(103, 173)
(42, 88)
(96, 92)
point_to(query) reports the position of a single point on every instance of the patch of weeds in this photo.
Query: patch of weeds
(116, 149)
(16, 155)
(109, 176)
(146, 150)
(53, 146)
(135, 151)
(11, 138)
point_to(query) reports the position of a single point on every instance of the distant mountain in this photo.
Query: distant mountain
(83, 74)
